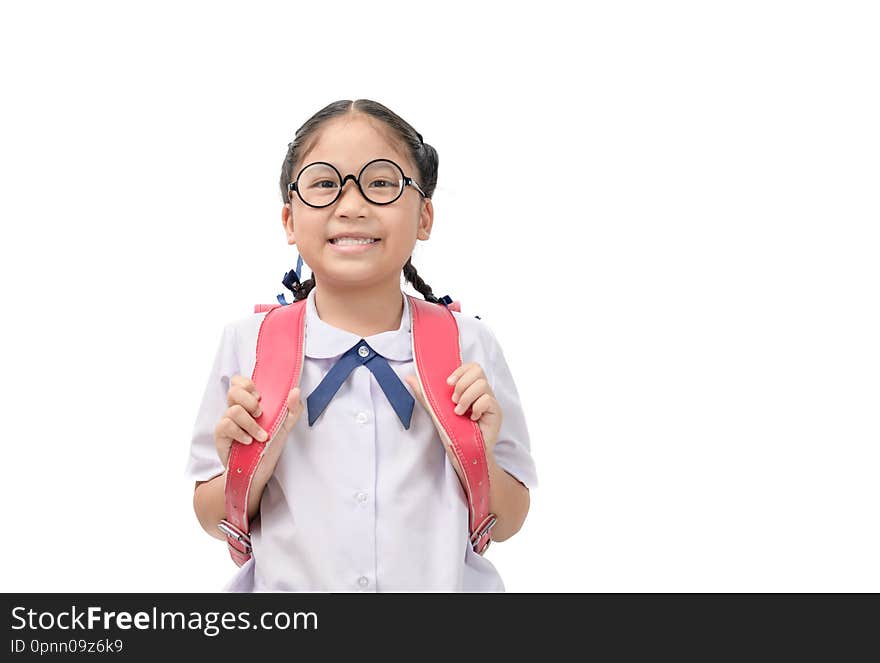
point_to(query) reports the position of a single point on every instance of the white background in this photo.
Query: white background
(667, 213)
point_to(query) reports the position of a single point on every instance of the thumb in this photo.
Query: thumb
(293, 398)
(413, 383)
(294, 402)
(294, 409)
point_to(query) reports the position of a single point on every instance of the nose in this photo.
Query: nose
(350, 202)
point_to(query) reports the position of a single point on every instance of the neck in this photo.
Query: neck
(361, 311)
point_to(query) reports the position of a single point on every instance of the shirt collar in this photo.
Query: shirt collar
(323, 340)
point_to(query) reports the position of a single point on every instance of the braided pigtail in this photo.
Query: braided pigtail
(411, 275)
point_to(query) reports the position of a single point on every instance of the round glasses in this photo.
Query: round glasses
(381, 182)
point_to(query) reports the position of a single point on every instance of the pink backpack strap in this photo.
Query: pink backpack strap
(436, 354)
(278, 367)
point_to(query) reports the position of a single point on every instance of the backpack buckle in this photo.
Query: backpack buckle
(232, 531)
(476, 536)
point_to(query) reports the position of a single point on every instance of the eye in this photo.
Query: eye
(323, 184)
(382, 183)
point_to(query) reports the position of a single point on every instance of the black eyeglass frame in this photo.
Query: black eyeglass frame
(407, 181)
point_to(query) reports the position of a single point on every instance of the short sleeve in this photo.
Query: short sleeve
(513, 448)
(203, 462)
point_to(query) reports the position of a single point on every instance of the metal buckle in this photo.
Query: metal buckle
(231, 530)
(476, 536)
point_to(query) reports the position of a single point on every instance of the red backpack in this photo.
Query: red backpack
(278, 367)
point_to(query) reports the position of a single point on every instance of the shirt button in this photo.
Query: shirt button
(363, 582)
(361, 497)
(362, 417)
(363, 351)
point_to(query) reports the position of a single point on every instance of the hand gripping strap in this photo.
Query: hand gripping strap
(276, 371)
(437, 354)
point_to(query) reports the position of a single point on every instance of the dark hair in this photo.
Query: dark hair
(422, 155)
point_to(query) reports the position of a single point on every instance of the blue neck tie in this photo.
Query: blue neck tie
(362, 354)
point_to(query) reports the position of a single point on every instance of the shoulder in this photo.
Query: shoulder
(241, 333)
(477, 340)
(246, 324)
(473, 328)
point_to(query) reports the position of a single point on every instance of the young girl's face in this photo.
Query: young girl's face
(348, 143)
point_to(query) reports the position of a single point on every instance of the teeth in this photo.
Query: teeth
(351, 240)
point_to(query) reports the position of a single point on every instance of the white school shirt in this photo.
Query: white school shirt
(357, 502)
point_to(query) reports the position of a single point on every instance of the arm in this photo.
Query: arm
(508, 500)
(209, 502)
(509, 497)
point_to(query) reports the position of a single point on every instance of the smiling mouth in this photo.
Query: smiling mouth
(351, 241)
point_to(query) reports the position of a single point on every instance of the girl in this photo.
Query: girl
(359, 494)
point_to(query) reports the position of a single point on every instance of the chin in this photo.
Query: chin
(354, 277)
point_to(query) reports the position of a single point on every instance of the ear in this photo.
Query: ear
(287, 222)
(426, 219)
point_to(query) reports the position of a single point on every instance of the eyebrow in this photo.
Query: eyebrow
(356, 170)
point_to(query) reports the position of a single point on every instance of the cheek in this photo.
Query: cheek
(310, 228)
(408, 225)
(405, 234)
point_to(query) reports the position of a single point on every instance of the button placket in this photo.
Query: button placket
(365, 352)
(360, 501)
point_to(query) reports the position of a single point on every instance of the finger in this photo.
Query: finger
(241, 396)
(231, 431)
(475, 390)
(245, 383)
(465, 380)
(244, 420)
(481, 406)
(458, 371)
